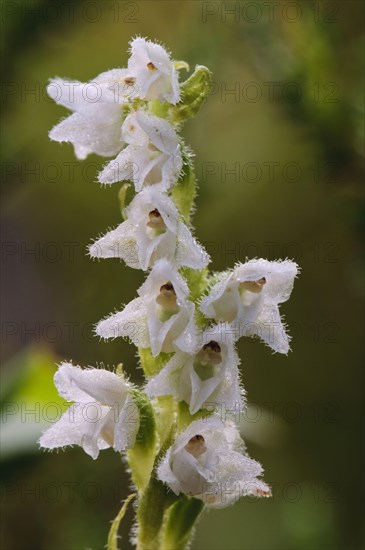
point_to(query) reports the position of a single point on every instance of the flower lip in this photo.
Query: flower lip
(168, 287)
(155, 221)
(253, 286)
(210, 354)
(196, 446)
(214, 346)
(167, 298)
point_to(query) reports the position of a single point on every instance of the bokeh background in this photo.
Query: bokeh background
(293, 129)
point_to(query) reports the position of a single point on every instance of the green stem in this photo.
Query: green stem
(154, 502)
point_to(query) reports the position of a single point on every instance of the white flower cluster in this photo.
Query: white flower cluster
(207, 460)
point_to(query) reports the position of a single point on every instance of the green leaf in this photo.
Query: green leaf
(113, 533)
(180, 522)
(141, 457)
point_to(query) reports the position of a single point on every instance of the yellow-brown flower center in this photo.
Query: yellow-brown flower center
(196, 446)
(167, 300)
(155, 222)
(253, 286)
(207, 360)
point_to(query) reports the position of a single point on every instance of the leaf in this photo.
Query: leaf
(141, 457)
(180, 522)
(113, 532)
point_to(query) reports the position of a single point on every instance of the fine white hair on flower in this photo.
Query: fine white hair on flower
(207, 461)
(162, 318)
(103, 413)
(152, 155)
(207, 378)
(152, 231)
(153, 71)
(95, 125)
(248, 297)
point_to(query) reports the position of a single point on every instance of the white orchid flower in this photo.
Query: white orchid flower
(152, 231)
(249, 296)
(95, 125)
(162, 318)
(152, 156)
(207, 461)
(154, 74)
(103, 413)
(208, 377)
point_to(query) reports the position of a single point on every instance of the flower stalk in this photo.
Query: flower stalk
(184, 455)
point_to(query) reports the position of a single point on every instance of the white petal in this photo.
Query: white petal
(162, 82)
(235, 475)
(91, 134)
(162, 272)
(270, 329)
(178, 332)
(165, 474)
(220, 304)
(168, 381)
(159, 131)
(131, 323)
(119, 243)
(187, 339)
(189, 252)
(123, 167)
(85, 385)
(127, 426)
(113, 86)
(80, 425)
(172, 334)
(68, 93)
(279, 276)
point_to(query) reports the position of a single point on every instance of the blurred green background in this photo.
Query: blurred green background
(293, 128)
